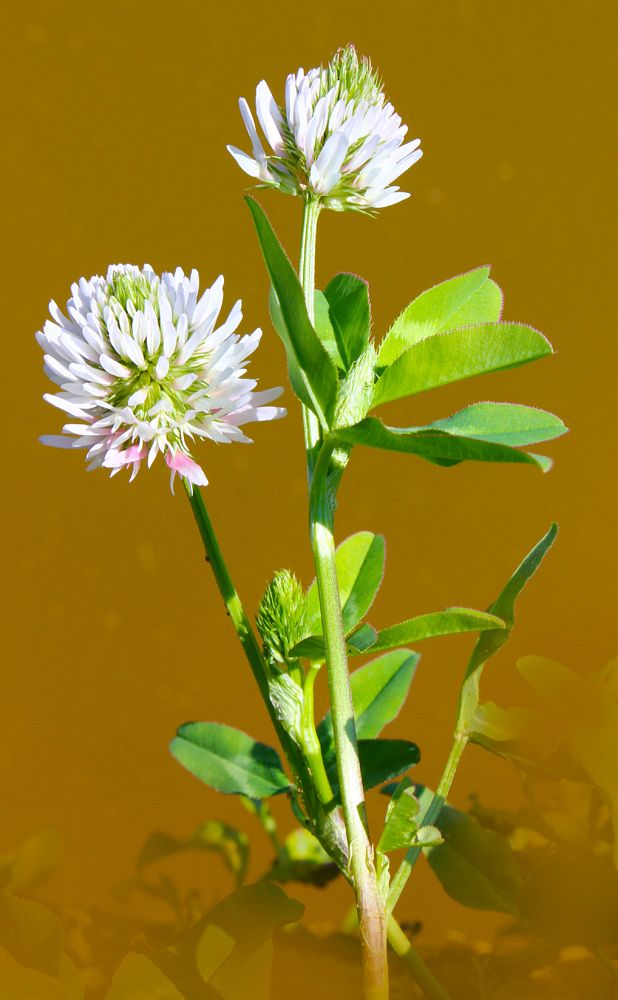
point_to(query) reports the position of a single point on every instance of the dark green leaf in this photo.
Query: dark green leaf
(229, 760)
(434, 445)
(379, 690)
(360, 567)
(460, 354)
(380, 761)
(312, 372)
(475, 866)
(350, 314)
(468, 298)
(491, 641)
(449, 622)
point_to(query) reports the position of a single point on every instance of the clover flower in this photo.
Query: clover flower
(143, 369)
(335, 138)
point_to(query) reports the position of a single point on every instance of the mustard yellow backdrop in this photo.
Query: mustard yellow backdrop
(116, 116)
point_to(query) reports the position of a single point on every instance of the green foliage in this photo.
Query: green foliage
(380, 761)
(312, 373)
(461, 301)
(491, 641)
(475, 866)
(379, 690)
(303, 859)
(460, 354)
(281, 617)
(504, 423)
(360, 568)
(448, 622)
(356, 390)
(401, 824)
(229, 760)
(435, 445)
(349, 310)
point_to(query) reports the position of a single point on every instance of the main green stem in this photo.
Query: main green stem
(404, 871)
(370, 906)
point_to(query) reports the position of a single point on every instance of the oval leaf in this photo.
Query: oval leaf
(449, 622)
(503, 423)
(229, 760)
(350, 314)
(465, 299)
(460, 354)
(360, 568)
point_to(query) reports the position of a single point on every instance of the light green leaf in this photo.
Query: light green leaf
(460, 354)
(436, 446)
(491, 641)
(428, 836)
(312, 372)
(360, 568)
(401, 825)
(350, 314)
(380, 761)
(461, 301)
(503, 423)
(303, 859)
(475, 866)
(324, 327)
(229, 760)
(358, 642)
(379, 690)
(448, 622)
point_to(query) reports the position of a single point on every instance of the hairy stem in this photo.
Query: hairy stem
(306, 274)
(408, 954)
(370, 906)
(404, 871)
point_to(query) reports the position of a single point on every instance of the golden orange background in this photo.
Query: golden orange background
(116, 117)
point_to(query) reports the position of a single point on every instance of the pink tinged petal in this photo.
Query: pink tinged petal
(269, 116)
(180, 463)
(117, 459)
(325, 172)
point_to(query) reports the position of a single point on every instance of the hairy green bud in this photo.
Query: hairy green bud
(281, 617)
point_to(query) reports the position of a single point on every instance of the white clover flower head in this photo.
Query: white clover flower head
(335, 138)
(143, 369)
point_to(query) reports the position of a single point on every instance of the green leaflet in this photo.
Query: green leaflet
(503, 423)
(401, 825)
(360, 567)
(438, 446)
(312, 372)
(461, 301)
(475, 866)
(302, 859)
(229, 760)
(350, 315)
(448, 622)
(379, 690)
(324, 327)
(459, 354)
(380, 761)
(491, 641)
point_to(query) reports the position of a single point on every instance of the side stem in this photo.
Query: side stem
(329, 828)
(404, 871)
(408, 954)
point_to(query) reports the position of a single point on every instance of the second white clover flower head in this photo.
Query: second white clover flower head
(335, 138)
(143, 370)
